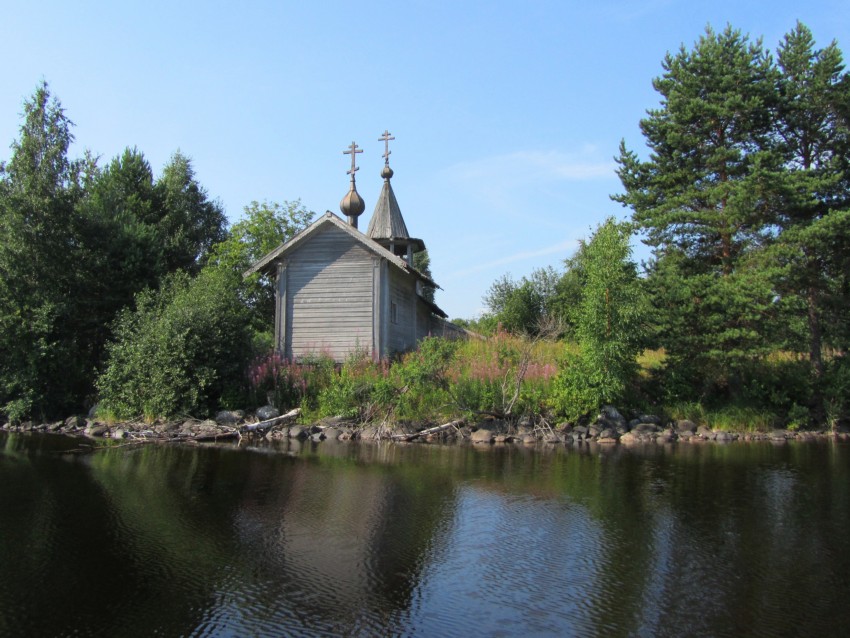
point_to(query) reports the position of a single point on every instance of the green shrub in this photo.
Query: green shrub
(506, 375)
(180, 351)
(609, 325)
(579, 388)
(351, 392)
(836, 393)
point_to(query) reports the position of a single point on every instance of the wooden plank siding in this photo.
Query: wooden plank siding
(328, 297)
(402, 327)
(423, 321)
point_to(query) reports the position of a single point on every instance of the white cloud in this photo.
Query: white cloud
(515, 257)
(528, 167)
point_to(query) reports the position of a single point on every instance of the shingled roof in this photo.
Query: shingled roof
(387, 225)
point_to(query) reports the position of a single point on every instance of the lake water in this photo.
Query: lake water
(420, 540)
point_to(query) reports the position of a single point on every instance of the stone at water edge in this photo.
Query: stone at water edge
(331, 434)
(296, 432)
(685, 425)
(481, 435)
(610, 417)
(706, 433)
(646, 427)
(629, 438)
(369, 433)
(267, 412)
(95, 430)
(229, 417)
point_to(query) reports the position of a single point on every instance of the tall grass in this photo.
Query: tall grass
(505, 375)
(728, 418)
(508, 377)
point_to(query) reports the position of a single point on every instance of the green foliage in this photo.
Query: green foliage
(263, 227)
(505, 376)
(421, 381)
(836, 390)
(43, 366)
(179, 351)
(579, 389)
(609, 323)
(190, 223)
(486, 324)
(354, 391)
(700, 192)
(799, 416)
(745, 199)
(812, 193)
(728, 418)
(288, 384)
(76, 245)
(702, 201)
(525, 306)
(120, 247)
(422, 263)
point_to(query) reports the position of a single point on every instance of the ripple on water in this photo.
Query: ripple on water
(513, 562)
(456, 542)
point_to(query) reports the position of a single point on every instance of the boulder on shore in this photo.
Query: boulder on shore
(267, 412)
(481, 435)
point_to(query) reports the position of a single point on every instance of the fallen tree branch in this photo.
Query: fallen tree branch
(265, 425)
(437, 428)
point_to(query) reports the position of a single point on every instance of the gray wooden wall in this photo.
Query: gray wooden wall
(328, 297)
(402, 333)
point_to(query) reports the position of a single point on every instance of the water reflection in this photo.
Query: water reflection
(341, 539)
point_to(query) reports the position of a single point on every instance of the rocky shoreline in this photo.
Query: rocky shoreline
(609, 428)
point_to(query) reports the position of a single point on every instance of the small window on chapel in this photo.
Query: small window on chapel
(393, 312)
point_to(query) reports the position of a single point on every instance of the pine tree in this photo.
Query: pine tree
(703, 200)
(813, 191)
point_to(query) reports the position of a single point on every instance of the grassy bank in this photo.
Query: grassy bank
(513, 378)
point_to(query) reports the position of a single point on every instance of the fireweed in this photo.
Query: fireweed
(285, 383)
(504, 375)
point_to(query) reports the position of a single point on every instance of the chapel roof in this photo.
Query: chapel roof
(387, 224)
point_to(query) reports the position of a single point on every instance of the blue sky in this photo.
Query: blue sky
(506, 114)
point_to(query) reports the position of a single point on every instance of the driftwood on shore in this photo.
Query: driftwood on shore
(265, 425)
(434, 430)
(237, 432)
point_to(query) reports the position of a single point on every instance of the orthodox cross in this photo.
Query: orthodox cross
(385, 138)
(352, 150)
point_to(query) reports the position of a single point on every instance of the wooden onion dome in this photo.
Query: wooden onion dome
(352, 205)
